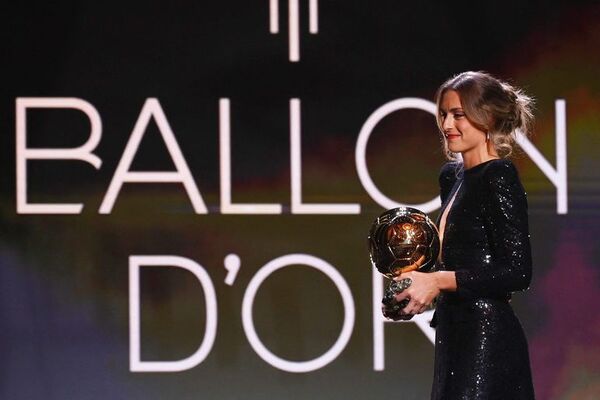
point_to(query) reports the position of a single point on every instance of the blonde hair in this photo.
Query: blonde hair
(492, 106)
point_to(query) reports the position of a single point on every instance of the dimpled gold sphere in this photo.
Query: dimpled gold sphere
(403, 239)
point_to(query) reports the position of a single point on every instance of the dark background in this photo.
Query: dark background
(63, 278)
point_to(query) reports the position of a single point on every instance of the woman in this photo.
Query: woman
(481, 351)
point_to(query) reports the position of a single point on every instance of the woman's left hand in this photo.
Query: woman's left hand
(422, 291)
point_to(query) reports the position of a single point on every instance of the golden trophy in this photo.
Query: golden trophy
(402, 239)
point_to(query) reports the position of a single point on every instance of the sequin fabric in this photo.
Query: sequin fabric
(481, 351)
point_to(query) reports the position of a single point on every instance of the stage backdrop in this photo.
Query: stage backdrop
(187, 190)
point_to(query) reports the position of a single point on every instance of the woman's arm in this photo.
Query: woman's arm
(445, 280)
(508, 268)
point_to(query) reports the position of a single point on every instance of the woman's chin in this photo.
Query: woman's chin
(454, 148)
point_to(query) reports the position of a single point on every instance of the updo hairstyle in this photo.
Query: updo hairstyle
(492, 106)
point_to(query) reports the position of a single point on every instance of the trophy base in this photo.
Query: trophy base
(392, 309)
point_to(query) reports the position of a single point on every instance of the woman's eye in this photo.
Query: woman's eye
(458, 115)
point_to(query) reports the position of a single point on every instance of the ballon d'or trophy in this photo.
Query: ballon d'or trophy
(401, 240)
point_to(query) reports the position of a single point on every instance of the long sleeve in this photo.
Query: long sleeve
(508, 267)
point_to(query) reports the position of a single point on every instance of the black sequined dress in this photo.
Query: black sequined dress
(481, 350)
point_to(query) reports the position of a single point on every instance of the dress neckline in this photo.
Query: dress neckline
(480, 164)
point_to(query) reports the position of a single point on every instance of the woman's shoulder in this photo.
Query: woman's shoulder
(500, 169)
(502, 177)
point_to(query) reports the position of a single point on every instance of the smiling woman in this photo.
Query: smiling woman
(461, 135)
(477, 111)
(481, 351)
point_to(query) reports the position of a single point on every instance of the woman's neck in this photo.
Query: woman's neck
(473, 158)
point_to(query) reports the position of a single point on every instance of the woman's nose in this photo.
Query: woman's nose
(447, 123)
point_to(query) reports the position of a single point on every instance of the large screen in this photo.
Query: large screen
(187, 190)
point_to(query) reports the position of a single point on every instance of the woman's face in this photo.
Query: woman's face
(460, 135)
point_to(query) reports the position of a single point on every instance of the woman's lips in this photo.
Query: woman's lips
(452, 137)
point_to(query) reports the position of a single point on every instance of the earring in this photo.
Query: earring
(487, 136)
